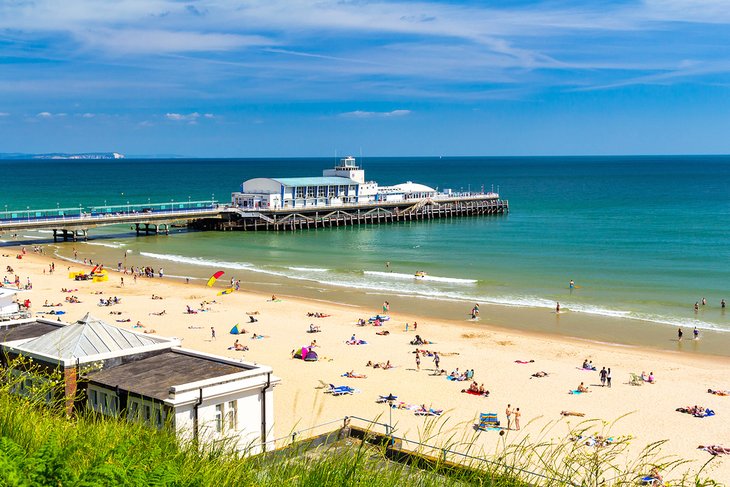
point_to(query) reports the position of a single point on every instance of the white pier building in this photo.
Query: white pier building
(342, 185)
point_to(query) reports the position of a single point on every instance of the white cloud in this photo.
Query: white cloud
(365, 114)
(208, 115)
(49, 115)
(4, 114)
(88, 115)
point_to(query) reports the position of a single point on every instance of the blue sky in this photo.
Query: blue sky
(310, 78)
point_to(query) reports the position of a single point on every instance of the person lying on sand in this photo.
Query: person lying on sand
(160, 313)
(150, 331)
(138, 325)
(715, 449)
(191, 327)
(542, 373)
(239, 346)
(571, 413)
(352, 375)
(252, 313)
(314, 328)
(154, 296)
(718, 392)
(382, 333)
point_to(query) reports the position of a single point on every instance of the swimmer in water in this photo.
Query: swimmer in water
(572, 284)
(696, 333)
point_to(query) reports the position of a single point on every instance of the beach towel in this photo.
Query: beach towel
(475, 393)
(575, 391)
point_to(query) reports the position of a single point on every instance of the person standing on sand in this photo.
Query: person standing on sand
(603, 377)
(508, 413)
(122, 281)
(608, 377)
(679, 334)
(212, 333)
(696, 333)
(517, 418)
(557, 307)
(418, 361)
(436, 360)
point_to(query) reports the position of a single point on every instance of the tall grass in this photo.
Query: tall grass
(41, 445)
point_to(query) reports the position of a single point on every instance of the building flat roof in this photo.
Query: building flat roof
(154, 376)
(22, 331)
(315, 181)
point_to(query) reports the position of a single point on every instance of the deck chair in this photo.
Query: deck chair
(488, 420)
(636, 380)
(340, 390)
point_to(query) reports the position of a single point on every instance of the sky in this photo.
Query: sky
(279, 78)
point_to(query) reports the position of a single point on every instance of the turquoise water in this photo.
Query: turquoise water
(643, 237)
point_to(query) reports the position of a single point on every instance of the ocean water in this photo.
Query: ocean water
(643, 238)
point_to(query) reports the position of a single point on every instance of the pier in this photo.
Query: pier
(372, 213)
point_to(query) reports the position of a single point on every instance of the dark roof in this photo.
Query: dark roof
(22, 331)
(153, 376)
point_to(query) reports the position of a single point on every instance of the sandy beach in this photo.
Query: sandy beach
(647, 412)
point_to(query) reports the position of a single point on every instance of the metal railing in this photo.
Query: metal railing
(443, 453)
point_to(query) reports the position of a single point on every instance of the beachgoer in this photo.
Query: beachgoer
(582, 388)
(122, 281)
(704, 301)
(212, 333)
(608, 377)
(697, 306)
(679, 334)
(603, 377)
(517, 418)
(651, 379)
(436, 360)
(696, 333)
(722, 303)
(508, 413)
(557, 307)
(572, 284)
(418, 360)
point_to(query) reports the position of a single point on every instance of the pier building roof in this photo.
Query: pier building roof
(314, 181)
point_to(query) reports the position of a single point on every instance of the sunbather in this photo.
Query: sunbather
(571, 413)
(715, 449)
(352, 375)
(718, 392)
(540, 374)
(582, 388)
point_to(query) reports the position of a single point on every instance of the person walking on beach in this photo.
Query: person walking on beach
(603, 377)
(557, 307)
(212, 333)
(608, 377)
(122, 281)
(437, 361)
(696, 333)
(517, 418)
(418, 361)
(679, 334)
(508, 413)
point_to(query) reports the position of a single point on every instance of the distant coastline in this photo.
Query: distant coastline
(62, 155)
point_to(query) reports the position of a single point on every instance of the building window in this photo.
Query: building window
(147, 414)
(321, 191)
(232, 415)
(158, 418)
(331, 191)
(342, 190)
(133, 410)
(310, 191)
(300, 193)
(219, 418)
(104, 402)
(93, 397)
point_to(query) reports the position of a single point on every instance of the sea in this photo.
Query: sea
(643, 237)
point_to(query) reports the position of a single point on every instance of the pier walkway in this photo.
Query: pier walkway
(74, 223)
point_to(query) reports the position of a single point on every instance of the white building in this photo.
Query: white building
(140, 377)
(344, 184)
